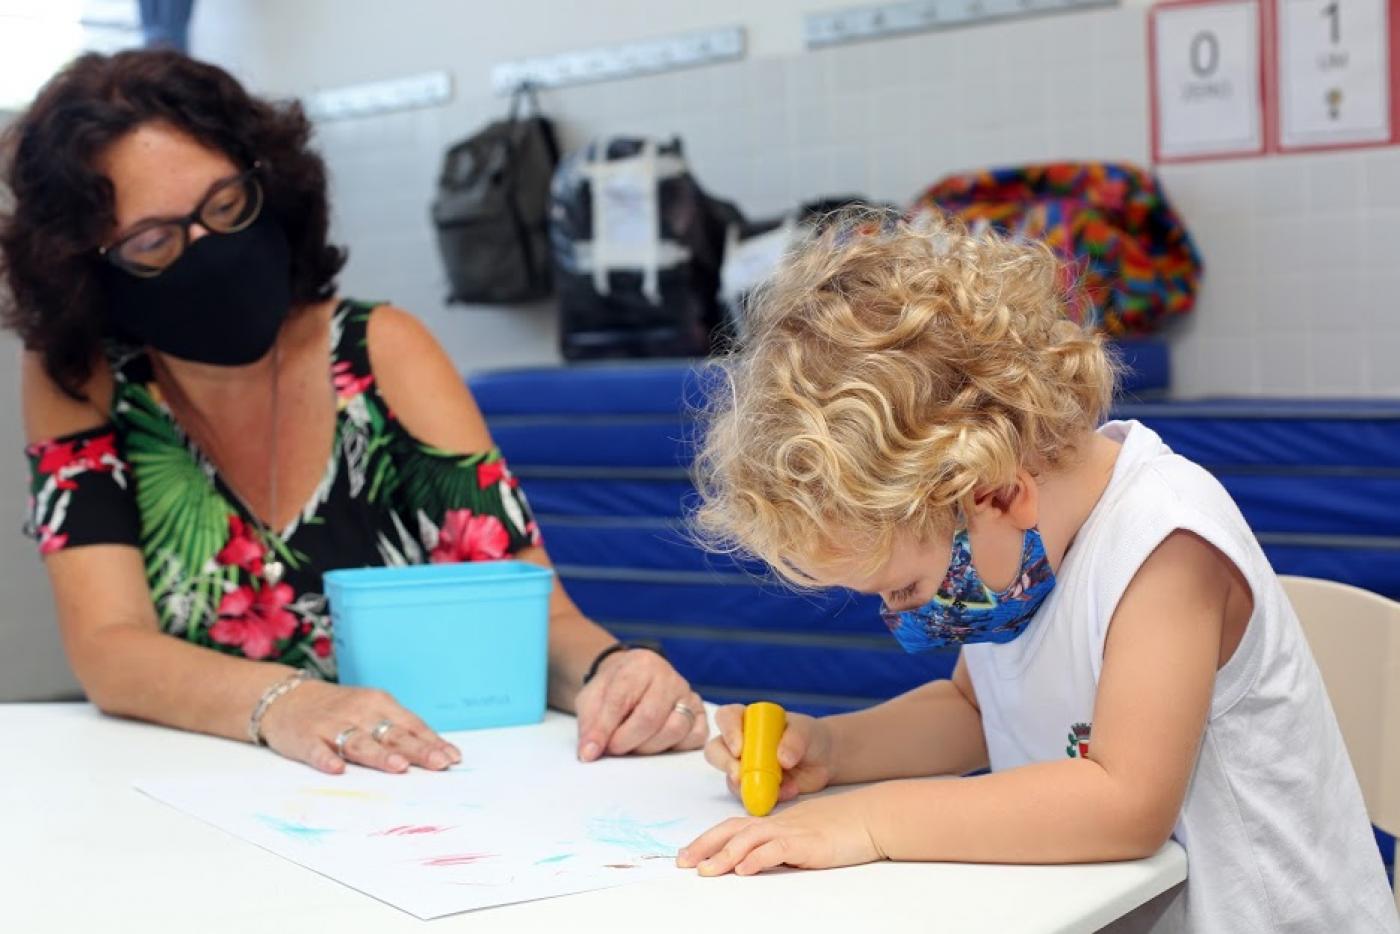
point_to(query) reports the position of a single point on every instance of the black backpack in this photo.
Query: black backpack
(492, 207)
(637, 250)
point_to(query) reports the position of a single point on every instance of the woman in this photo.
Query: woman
(212, 429)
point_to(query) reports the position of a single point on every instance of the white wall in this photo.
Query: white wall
(32, 666)
(1301, 285)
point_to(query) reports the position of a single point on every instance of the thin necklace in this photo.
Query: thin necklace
(273, 570)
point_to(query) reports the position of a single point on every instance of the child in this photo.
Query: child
(914, 416)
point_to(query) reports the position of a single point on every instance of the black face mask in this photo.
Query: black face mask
(222, 302)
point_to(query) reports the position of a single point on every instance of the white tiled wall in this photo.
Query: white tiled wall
(1300, 297)
(32, 666)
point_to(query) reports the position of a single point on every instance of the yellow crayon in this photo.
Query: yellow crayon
(760, 776)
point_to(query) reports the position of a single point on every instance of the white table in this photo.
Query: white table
(80, 851)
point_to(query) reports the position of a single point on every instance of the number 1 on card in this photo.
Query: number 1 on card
(1334, 72)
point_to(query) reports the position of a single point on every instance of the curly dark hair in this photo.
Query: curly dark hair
(63, 206)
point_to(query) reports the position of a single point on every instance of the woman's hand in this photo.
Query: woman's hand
(819, 834)
(303, 725)
(637, 703)
(805, 752)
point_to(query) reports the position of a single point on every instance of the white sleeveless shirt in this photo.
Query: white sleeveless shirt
(1275, 830)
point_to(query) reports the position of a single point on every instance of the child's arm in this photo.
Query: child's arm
(1120, 802)
(935, 729)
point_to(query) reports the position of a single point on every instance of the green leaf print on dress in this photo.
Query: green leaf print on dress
(185, 521)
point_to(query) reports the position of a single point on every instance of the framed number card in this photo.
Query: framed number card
(1207, 79)
(1335, 74)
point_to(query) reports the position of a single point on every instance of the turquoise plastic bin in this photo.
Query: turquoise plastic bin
(461, 645)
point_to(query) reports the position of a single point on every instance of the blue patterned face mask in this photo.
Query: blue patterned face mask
(965, 610)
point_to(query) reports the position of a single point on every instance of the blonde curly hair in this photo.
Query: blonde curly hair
(892, 370)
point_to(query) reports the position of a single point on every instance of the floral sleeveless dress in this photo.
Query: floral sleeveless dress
(386, 498)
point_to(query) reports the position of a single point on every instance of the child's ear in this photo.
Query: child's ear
(1019, 502)
(1024, 508)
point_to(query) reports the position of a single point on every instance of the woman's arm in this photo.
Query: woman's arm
(113, 643)
(129, 668)
(630, 706)
(422, 387)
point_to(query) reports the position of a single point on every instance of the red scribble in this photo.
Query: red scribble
(461, 859)
(411, 830)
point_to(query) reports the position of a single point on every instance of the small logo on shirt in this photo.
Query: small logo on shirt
(1078, 747)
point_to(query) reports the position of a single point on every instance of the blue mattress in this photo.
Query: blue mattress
(1147, 372)
(665, 388)
(604, 452)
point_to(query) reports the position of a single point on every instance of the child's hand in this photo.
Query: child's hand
(805, 752)
(819, 834)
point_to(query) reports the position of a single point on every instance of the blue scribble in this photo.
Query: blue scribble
(632, 835)
(294, 830)
(554, 859)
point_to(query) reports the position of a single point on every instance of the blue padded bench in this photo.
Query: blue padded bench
(1319, 481)
(604, 452)
(1147, 372)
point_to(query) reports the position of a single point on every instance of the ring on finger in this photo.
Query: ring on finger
(342, 738)
(683, 707)
(381, 730)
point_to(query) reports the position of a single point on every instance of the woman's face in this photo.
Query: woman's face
(160, 173)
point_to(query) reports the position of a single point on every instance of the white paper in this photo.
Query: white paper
(1207, 80)
(520, 819)
(1334, 72)
(629, 218)
(749, 263)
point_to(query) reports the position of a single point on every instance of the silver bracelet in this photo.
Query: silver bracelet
(264, 702)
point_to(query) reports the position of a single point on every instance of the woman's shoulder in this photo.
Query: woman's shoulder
(395, 335)
(50, 412)
(419, 383)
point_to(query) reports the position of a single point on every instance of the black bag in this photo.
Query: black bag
(637, 248)
(492, 206)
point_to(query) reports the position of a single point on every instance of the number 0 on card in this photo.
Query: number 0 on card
(1207, 79)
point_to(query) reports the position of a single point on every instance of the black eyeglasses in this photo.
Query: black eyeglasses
(230, 206)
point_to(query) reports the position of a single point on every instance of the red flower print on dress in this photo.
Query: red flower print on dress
(100, 453)
(255, 620)
(347, 384)
(63, 460)
(488, 475)
(243, 550)
(465, 537)
(49, 542)
(54, 458)
(322, 647)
